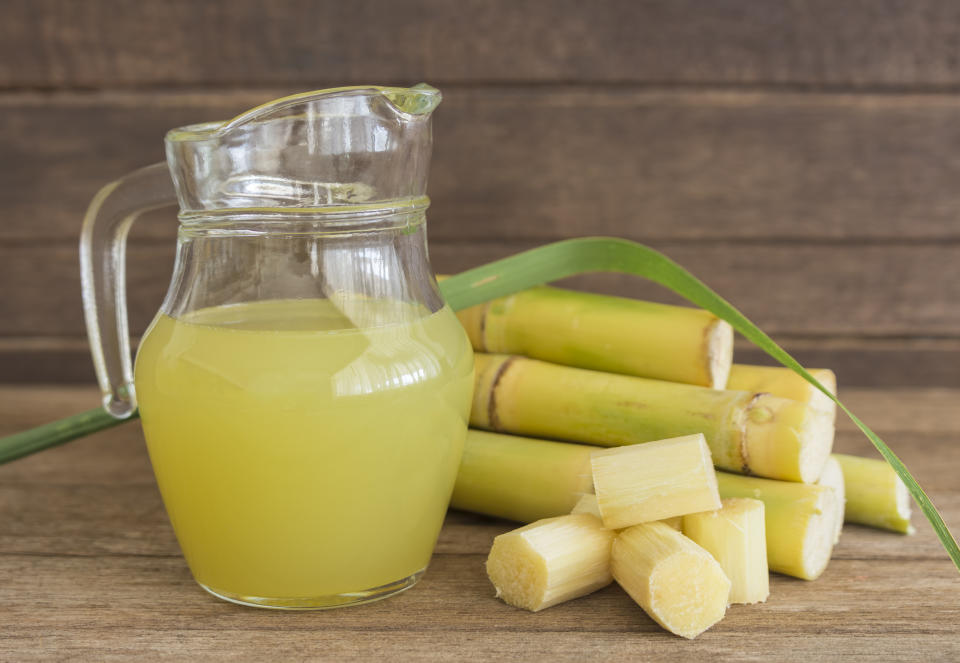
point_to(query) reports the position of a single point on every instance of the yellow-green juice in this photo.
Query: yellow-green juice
(305, 451)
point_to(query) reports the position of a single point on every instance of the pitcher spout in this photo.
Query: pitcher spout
(363, 145)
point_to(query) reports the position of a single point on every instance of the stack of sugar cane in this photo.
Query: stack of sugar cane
(657, 384)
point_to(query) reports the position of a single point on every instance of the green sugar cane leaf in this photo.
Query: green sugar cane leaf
(535, 267)
(56, 433)
(601, 254)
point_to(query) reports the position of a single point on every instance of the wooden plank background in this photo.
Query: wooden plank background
(802, 157)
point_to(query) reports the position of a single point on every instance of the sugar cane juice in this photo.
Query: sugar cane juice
(303, 449)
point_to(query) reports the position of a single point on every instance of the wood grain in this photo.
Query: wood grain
(860, 362)
(819, 43)
(89, 569)
(823, 290)
(822, 643)
(863, 361)
(874, 298)
(542, 163)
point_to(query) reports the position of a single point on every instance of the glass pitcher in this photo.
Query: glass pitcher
(304, 390)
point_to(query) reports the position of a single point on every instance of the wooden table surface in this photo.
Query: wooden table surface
(90, 570)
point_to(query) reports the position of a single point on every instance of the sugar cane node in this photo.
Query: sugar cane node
(877, 496)
(753, 433)
(784, 383)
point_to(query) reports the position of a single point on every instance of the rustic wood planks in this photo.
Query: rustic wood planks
(817, 43)
(819, 290)
(772, 133)
(543, 163)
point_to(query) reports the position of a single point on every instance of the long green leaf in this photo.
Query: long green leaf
(55, 433)
(535, 267)
(603, 254)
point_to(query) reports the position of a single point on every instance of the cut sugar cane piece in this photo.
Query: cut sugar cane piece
(540, 481)
(783, 382)
(751, 433)
(799, 519)
(605, 333)
(736, 537)
(832, 477)
(875, 494)
(588, 504)
(678, 583)
(551, 561)
(645, 482)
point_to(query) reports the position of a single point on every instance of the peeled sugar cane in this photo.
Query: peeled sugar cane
(678, 583)
(551, 561)
(746, 432)
(875, 494)
(605, 333)
(736, 537)
(783, 382)
(644, 482)
(799, 518)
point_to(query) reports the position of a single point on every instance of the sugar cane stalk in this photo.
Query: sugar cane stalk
(614, 334)
(750, 433)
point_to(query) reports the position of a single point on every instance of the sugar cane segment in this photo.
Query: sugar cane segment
(799, 518)
(604, 333)
(736, 537)
(645, 482)
(678, 583)
(832, 477)
(799, 521)
(551, 561)
(540, 480)
(783, 382)
(875, 494)
(751, 433)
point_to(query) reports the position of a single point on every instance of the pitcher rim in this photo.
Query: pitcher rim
(216, 129)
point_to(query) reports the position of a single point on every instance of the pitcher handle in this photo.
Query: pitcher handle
(103, 277)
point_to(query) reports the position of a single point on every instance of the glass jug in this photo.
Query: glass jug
(304, 390)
